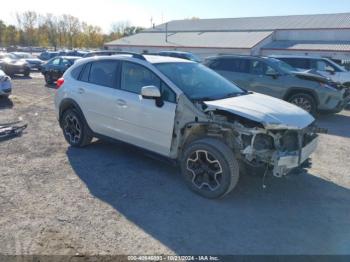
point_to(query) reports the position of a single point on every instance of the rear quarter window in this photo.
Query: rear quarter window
(76, 72)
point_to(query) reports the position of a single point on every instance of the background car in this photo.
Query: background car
(5, 85)
(33, 62)
(322, 66)
(179, 54)
(78, 53)
(275, 78)
(100, 53)
(12, 65)
(55, 68)
(47, 55)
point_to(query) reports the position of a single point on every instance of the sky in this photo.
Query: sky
(104, 13)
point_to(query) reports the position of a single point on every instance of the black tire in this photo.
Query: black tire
(304, 101)
(203, 176)
(48, 79)
(26, 73)
(75, 129)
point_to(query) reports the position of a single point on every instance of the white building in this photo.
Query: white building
(326, 35)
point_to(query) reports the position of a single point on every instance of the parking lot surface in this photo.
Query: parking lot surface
(110, 198)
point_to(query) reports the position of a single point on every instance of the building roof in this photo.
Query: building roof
(231, 40)
(270, 23)
(335, 46)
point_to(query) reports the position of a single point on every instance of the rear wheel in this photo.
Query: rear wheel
(48, 79)
(304, 101)
(210, 168)
(75, 129)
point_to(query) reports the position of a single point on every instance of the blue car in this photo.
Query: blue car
(5, 84)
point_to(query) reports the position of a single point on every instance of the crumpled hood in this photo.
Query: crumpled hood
(309, 75)
(273, 113)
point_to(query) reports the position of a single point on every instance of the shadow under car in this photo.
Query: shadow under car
(299, 214)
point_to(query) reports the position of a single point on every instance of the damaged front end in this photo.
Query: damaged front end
(267, 131)
(282, 150)
(263, 132)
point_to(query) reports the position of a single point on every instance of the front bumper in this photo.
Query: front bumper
(336, 104)
(285, 161)
(5, 88)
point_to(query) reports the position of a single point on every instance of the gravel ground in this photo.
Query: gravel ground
(113, 199)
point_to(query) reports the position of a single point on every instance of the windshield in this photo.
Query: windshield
(194, 58)
(339, 67)
(283, 66)
(199, 82)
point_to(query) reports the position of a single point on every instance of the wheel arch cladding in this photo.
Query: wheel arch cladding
(69, 103)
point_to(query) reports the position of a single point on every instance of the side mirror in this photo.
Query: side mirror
(152, 92)
(330, 70)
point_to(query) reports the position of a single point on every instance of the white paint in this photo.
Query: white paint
(273, 113)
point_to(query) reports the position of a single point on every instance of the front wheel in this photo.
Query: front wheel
(210, 168)
(26, 73)
(304, 101)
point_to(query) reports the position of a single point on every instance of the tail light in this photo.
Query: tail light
(59, 83)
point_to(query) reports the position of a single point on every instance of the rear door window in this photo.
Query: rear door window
(55, 62)
(260, 68)
(301, 63)
(240, 65)
(222, 64)
(103, 73)
(66, 62)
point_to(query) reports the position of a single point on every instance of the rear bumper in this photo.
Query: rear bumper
(16, 69)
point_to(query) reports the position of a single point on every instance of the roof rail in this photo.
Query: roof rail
(134, 55)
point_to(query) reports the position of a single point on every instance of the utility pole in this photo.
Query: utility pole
(166, 33)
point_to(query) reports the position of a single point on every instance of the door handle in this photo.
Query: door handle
(81, 90)
(121, 103)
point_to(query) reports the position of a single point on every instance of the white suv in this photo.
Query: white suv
(186, 112)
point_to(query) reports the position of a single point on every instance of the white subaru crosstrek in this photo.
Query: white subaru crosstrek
(186, 112)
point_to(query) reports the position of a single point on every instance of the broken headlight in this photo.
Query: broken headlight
(289, 142)
(263, 142)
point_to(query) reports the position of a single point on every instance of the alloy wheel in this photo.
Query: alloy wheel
(206, 170)
(303, 103)
(72, 128)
